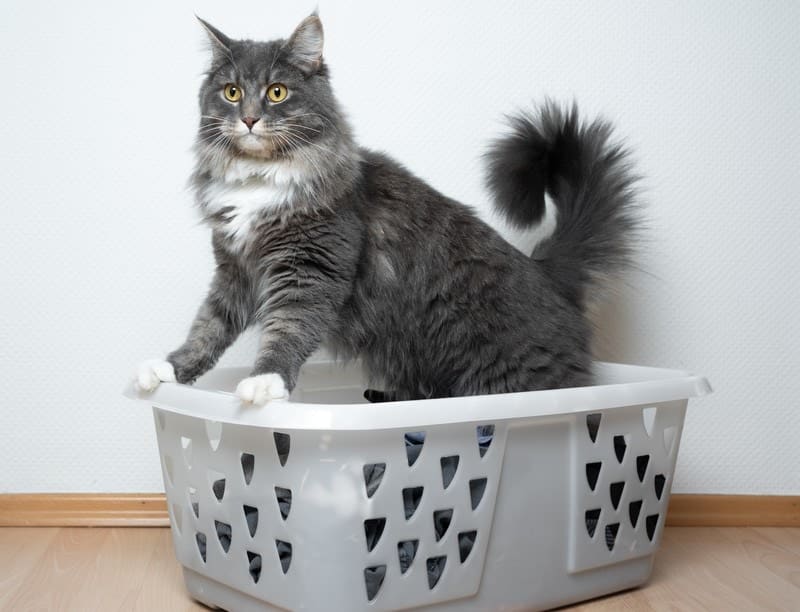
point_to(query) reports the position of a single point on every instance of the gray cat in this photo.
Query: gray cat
(319, 240)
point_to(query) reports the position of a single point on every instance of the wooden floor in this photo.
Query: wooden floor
(87, 569)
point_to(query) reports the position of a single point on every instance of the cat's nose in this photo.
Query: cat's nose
(250, 122)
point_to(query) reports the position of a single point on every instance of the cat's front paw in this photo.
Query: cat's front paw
(152, 373)
(258, 390)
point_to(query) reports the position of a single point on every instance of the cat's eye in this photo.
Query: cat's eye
(232, 93)
(277, 92)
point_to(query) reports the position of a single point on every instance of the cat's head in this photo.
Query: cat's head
(266, 100)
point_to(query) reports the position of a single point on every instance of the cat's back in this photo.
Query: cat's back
(398, 202)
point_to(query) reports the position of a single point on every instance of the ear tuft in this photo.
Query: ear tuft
(220, 44)
(305, 44)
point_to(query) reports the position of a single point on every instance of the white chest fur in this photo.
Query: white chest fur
(246, 190)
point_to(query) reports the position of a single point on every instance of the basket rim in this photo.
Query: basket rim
(629, 385)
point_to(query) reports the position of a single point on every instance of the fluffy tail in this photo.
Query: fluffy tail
(587, 175)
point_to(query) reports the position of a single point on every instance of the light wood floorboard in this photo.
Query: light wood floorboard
(21, 551)
(134, 569)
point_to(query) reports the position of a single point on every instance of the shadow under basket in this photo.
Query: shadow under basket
(514, 501)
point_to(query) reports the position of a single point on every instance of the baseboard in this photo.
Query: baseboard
(83, 510)
(734, 510)
(150, 510)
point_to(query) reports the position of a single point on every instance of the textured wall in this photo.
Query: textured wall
(104, 262)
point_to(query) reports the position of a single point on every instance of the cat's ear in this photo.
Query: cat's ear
(305, 44)
(220, 44)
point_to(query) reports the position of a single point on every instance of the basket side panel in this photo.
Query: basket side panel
(623, 461)
(378, 520)
(438, 507)
(226, 517)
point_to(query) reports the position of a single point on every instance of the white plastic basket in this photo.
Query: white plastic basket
(502, 502)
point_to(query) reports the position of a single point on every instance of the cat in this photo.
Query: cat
(319, 240)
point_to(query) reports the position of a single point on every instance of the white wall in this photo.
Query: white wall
(104, 262)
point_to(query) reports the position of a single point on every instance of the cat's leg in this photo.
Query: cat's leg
(288, 338)
(308, 272)
(212, 331)
(223, 315)
(295, 317)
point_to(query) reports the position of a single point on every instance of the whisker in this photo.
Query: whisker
(294, 134)
(214, 149)
(300, 126)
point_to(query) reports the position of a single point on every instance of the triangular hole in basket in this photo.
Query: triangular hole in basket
(224, 534)
(658, 484)
(254, 565)
(282, 445)
(477, 487)
(441, 522)
(200, 538)
(449, 467)
(217, 484)
(194, 502)
(592, 473)
(466, 540)
(251, 518)
(284, 554)
(615, 490)
(650, 523)
(641, 466)
(649, 419)
(592, 517)
(373, 530)
(284, 497)
(214, 434)
(414, 441)
(593, 425)
(620, 446)
(373, 475)
(435, 567)
(411, 499)
(373, 579)
(186, 448)
(248, 465)
(406, 551)
(485, 434)
(611, 535)
(634, 508)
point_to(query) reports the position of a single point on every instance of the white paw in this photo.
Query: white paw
(258, 390)
(153, 372)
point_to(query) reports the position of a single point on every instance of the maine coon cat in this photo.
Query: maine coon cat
(317, 239)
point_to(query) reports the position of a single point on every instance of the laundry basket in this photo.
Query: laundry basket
(500, 502)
